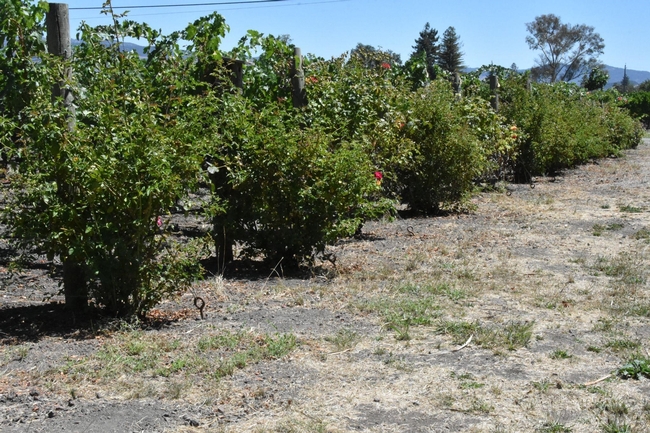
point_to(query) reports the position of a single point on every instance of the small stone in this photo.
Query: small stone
(11, 396)
(50, 414)
(34, 393)
(376, 400)
(192, 422)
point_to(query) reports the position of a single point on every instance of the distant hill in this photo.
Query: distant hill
(126, 46)
(616, 76)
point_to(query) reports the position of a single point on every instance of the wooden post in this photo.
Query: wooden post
(57, 21)
(58, 43)
(457, 84)
(298, 80)
(494, 85)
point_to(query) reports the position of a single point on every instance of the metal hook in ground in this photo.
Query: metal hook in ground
(199, 303)
(410, 231)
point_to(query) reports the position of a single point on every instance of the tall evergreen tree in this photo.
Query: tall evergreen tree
(625, 84)
(427, 44)
(450, 57)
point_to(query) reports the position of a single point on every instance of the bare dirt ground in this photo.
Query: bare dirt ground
(499, 320)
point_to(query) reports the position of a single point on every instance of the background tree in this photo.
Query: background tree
(450, 57)
(625, 85)
(372, 57)
(427, 44)
(625, 82)
(567, 51)
(596, 80)
(644, 87)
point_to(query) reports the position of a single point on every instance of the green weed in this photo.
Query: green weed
(542, 386)
(144, 355)
(615, 407)
(481, 406)
(630, 209)
(626, 267)
(598, 229)
(400, 314)
(622, 345)
(343, 339)
(554, 427)
(644, 233)
(635, 368)
(616, 426)
(510, 336)
(560, 354)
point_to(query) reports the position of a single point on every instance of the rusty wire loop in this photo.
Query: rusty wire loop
(199, 303)
(410, 231)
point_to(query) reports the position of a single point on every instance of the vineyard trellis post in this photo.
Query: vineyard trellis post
(57, 21)
(298, 80)
(494, 86)
(457, 84)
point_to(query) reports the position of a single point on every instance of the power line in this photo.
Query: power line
(220, 10)
(237, 2)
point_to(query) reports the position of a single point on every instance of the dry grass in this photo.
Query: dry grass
(550, 283)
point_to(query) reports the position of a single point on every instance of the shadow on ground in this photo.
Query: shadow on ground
(32, 323)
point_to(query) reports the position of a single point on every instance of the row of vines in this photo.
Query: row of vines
(284, 182)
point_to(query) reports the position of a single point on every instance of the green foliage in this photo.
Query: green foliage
(644, 87)
(596, 80)
(285, 191)
(368, 105)
(267, 80)
(447, 154)
(21, 42)
(286, 182)
(94, 194)
(638, 104)
(352, 101)
(561, 126)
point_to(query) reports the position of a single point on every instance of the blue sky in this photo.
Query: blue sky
(491, 32)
